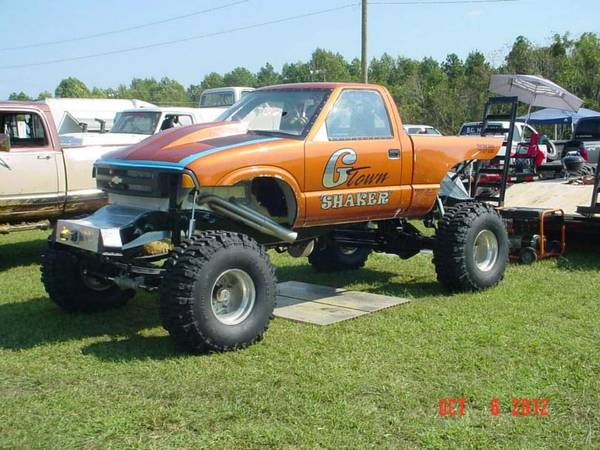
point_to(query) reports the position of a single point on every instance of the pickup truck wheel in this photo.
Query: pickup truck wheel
(70, 283)
(330, 257)
(218, 292)
(552, 152)
(471, 249)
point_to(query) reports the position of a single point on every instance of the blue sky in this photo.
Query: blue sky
(415, 31)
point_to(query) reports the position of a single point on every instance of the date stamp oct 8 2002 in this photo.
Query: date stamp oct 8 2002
(520, 407)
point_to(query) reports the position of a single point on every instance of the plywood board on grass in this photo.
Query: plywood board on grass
(323, 305)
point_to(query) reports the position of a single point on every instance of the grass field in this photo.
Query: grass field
(115, 380)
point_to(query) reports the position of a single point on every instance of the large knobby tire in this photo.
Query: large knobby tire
(471, 248)
(65, 275)
(330, 257)
(218, 292)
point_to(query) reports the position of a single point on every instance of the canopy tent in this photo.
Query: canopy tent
(534, 91)
(552, 116)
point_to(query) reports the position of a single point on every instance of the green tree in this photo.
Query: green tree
(475, 88)
(585, 60)
(296, 72)
(212, 80)
(122, 91)
(22, 96)
(329, 66)
(267, 76)
(72, 88)
(355, 69)
(44, 95)
(171, 92)
(454, 68)
(407, 90)
(99, 93)
(383, 70)
(194, 91)
(163, 92)
(519, 59)
(143, 88)
(240, 76)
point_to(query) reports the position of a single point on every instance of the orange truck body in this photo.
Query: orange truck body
(333, 181)
(328, 173)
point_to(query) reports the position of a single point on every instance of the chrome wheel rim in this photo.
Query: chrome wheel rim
(233, 296)
(485, 250)
(348, 250)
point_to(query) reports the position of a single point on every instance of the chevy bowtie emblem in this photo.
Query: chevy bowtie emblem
(116, 180)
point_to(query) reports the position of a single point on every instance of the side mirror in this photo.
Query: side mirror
(4, 142)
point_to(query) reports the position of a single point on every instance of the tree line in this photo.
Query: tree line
(443, 94)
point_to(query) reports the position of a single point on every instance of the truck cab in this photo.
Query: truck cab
(521, 135)
(150, 121)
(585, 140)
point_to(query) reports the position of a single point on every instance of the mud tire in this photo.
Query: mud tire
(64, 282)
(188, 289)
(454, 253)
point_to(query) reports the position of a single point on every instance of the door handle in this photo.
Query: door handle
(43, 156)
(394, 153)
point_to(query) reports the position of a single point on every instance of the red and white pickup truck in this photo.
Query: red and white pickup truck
(44, 175)
(40, 179)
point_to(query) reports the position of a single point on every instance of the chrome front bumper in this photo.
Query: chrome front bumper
(103, 231)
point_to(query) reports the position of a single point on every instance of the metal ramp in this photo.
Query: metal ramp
(594, 207)
(491, 177)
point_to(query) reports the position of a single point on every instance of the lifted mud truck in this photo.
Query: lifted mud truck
(321, 170)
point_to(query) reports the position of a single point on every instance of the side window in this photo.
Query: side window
(516, 135)
(358, 114)
(25, 129)
(184, 120)
(175, 121)
(216, 99)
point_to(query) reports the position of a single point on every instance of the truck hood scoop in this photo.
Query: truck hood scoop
(178, 147)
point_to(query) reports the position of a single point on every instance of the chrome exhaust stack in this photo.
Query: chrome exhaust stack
(249, 217)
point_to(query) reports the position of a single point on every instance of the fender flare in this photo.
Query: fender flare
(248, 173)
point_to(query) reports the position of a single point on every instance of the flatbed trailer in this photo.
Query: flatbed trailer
(571, 196)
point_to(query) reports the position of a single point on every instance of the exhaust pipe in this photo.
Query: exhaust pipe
(249, 217)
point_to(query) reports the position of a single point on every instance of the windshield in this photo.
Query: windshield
(588, 128)
(217, 99)
(136, 122)
(278, 111)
